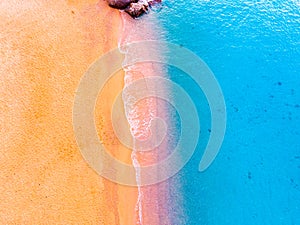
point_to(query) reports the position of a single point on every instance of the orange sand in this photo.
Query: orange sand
(45, 48)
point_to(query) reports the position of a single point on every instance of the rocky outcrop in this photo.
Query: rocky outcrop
(134, 8)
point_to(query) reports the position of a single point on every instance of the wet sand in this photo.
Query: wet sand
(153, 205)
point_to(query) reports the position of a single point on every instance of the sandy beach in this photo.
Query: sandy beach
(46, 47)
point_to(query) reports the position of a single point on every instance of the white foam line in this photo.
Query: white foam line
(134, 159)
(138, 180)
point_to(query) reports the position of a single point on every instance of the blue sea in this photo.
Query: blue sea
(253, 49)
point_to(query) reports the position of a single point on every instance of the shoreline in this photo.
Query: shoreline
(151, 208)
(48, 47)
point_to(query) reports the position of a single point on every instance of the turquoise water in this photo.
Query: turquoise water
(253, 48)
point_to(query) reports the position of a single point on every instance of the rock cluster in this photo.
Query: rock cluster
(134, 8)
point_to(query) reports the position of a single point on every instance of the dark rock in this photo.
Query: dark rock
(134, 8)
(120, 4)
(137, 9)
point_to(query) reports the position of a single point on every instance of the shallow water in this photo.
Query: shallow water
(253, 49)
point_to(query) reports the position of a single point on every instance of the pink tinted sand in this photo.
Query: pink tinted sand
(152, 205)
